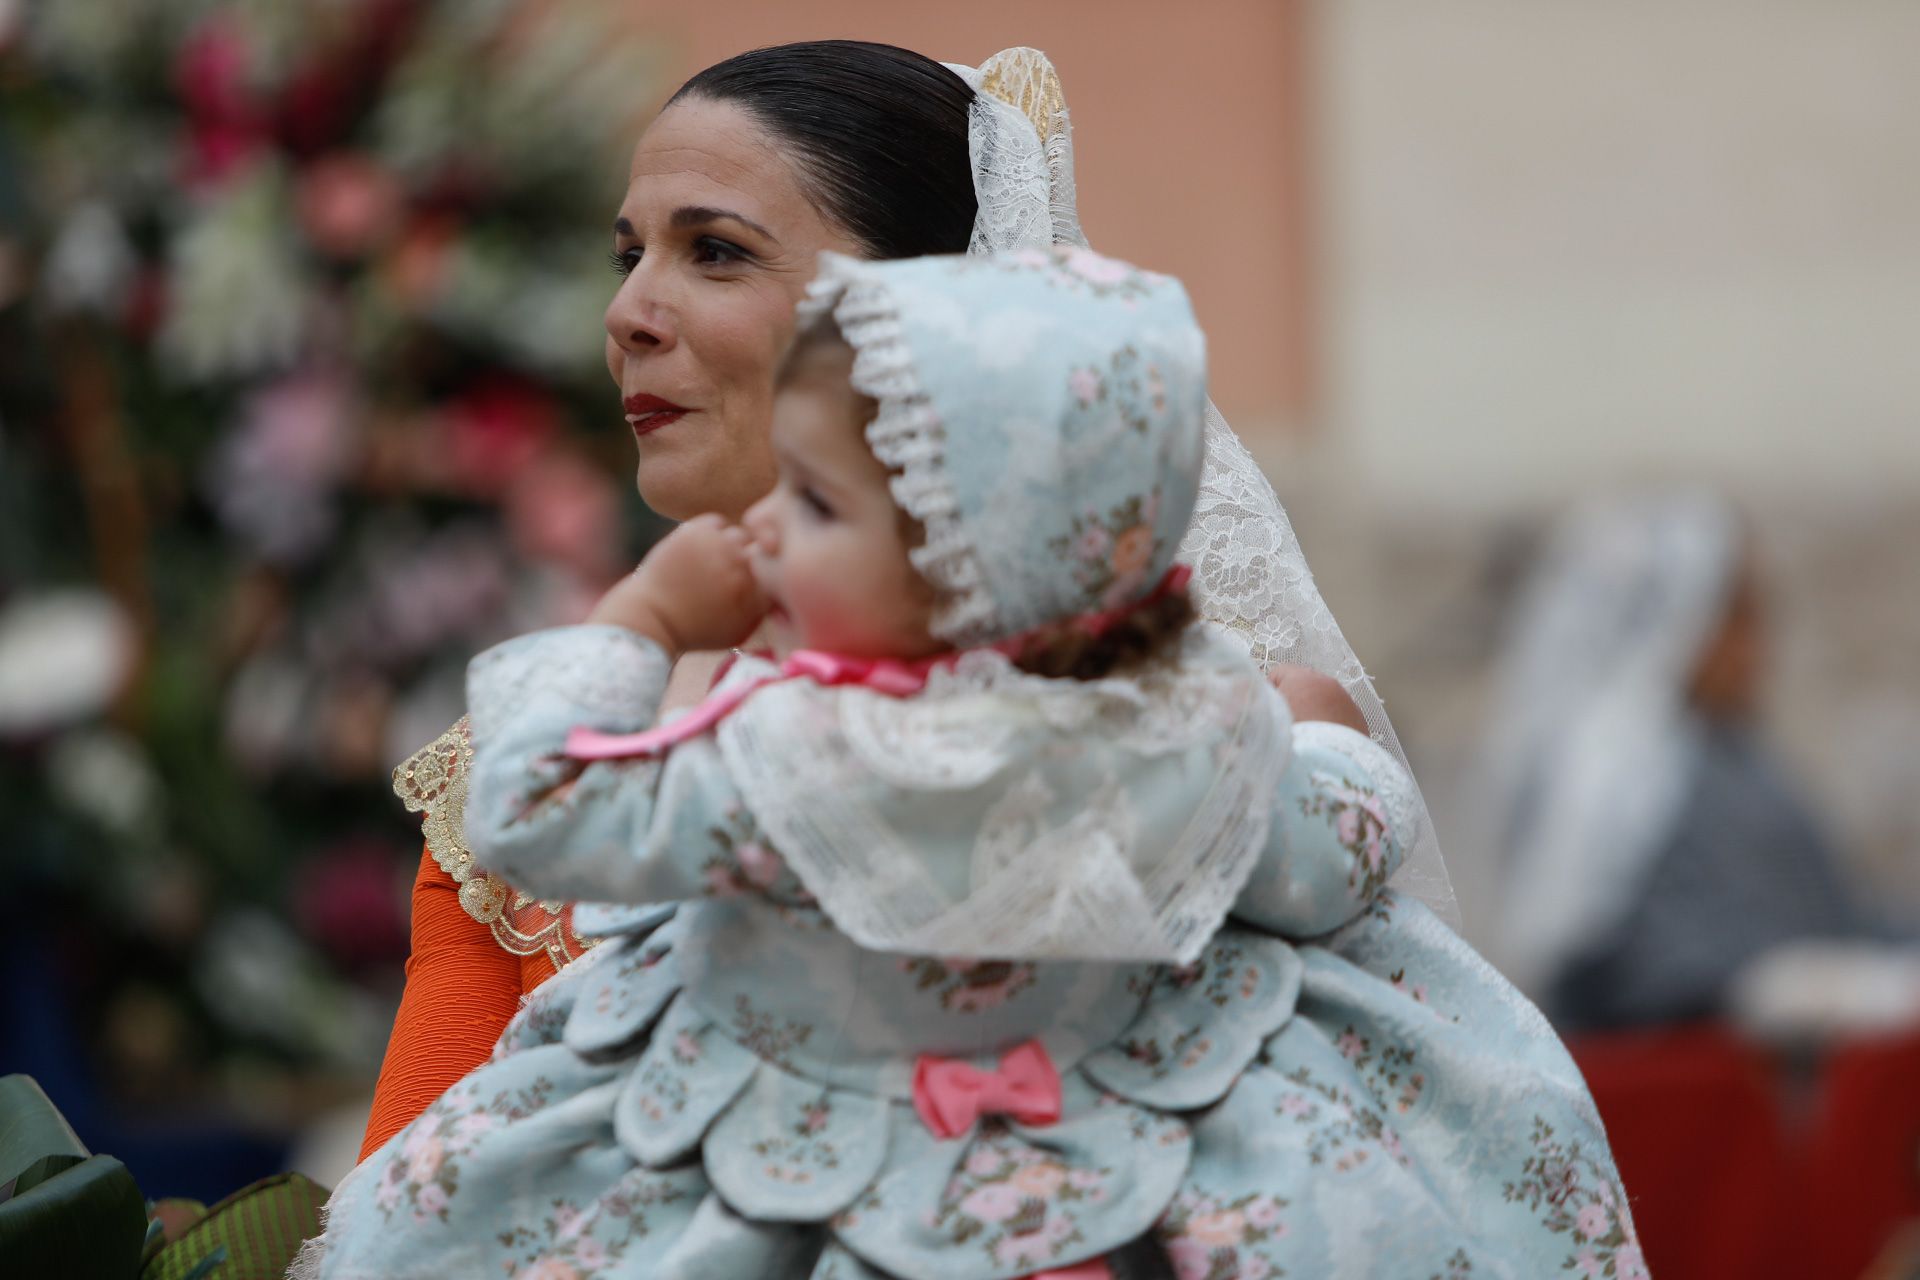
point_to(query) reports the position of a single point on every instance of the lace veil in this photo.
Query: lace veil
(1250, 574)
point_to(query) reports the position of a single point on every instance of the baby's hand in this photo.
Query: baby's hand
(694, 591)
(1313, 696)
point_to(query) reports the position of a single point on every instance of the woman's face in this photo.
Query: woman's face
(716, 241)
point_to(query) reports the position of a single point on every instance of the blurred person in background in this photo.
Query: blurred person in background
(1655, 849)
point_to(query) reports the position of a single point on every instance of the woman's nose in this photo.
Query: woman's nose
(640, 318)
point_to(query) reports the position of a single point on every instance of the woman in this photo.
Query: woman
(1656, 850)
(753, 167)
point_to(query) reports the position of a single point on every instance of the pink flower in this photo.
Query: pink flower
(995, 1202)
(1024, 1250)
(1350, 1044)
(1189, 1258)
(1263, 1212)
(1587, 1263)
(984, 1162)
(426, 1161)
(1295, 1105)
(1092, 544)
(471, 1126)
(1094, 269)
(1085, 1179)
(550, 1269)
(1041, 1181)
(1133, 550)
(433, 1199)
(761, 864)
(685, 1047)
(1218, 1230)
(1629, 1263)
(387, 1194)
(816, 1118)
(1085, 385)
(591, 1253)
(720, 882)
(1592, 1221)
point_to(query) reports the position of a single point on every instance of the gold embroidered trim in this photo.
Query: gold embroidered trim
(1026, 79)
(433, 783)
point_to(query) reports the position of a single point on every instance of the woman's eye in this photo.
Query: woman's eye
(711, 252)
(624, 262)
(816, 504)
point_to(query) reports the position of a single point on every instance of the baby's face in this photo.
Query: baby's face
(829, 548)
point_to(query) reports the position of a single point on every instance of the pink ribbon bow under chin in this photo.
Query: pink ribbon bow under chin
(890, 676)
(951, 1095)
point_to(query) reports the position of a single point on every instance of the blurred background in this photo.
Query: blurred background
(301, 404)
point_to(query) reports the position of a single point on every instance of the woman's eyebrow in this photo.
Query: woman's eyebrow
(695, 215)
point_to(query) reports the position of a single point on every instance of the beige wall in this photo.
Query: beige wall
(1572, 242)
(1187, 124)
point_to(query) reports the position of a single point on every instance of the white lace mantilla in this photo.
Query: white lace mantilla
(1249, 572)
(1003, 815)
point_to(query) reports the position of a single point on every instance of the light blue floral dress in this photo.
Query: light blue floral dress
(1335, 1086)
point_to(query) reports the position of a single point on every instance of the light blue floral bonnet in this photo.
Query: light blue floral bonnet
(1043, 414)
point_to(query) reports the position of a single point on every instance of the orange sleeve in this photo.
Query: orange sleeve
(462, 990)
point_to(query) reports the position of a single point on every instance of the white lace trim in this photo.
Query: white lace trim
(823, 772)
(909, 439)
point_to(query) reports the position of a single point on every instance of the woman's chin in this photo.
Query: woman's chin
(678, 484)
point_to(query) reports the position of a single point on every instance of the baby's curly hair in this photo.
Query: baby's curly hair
(1065, 650)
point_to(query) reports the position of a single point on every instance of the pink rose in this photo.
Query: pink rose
(591, 1253)
(1040, 1181)
(1218, 1230)
(426, 1161)
(1592, 1221)
(1587, 1263)
(550, 1269)
(1295, 1105)
(1094, 269)
(1350, 1044)
(433, 1199)
(1189, 1258)
(1133, 550)
(995, 1202)
(1085, 385)
(761, 864)
(387, 1194)
(1025, 1251)
(1263, 1212)
(1092, 544)
(984, 1162)
(1629, 1263)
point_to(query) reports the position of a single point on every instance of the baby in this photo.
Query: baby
(1024, 928)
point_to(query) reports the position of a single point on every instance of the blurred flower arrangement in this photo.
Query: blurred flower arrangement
(300, 405)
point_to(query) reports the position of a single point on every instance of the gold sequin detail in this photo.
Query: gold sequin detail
(1024, 78)
(433, 782)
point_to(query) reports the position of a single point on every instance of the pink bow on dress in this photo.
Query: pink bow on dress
(951, 1095)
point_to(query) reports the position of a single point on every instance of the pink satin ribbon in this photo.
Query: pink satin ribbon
(882, 675)
(1091, 1269)
(951, 1095)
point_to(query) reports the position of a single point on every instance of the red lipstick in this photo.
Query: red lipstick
(647, 414)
